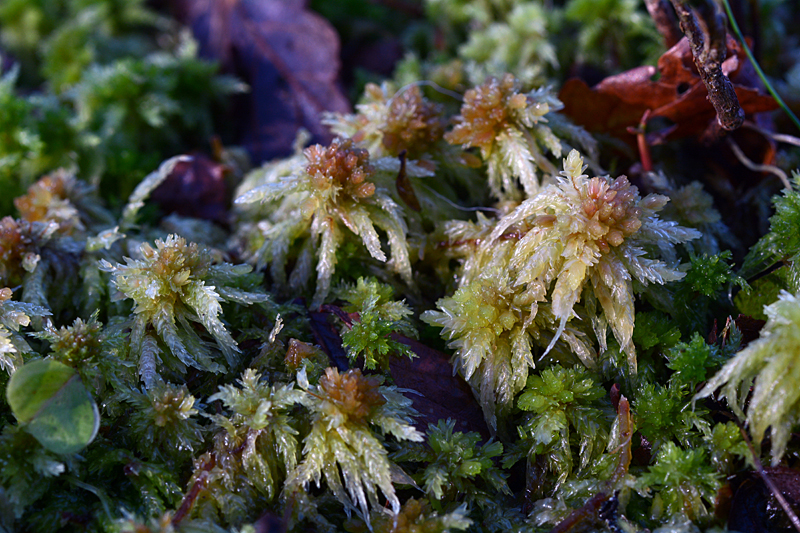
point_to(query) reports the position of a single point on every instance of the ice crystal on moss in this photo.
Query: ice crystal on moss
(341, 442)
(508, 126)
(174, 285)
(769, 366)
(590, 236)
(333, 195)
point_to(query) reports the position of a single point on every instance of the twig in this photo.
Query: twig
(705, 29)
(664, 18)
(756, 66)
(770, 484)
(756, 167)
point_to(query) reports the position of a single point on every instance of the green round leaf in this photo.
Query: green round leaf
(49, 398)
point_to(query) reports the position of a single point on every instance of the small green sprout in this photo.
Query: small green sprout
(664, 414)
(565, 407)
(458, 469)
(255, 446)
(685, 484)
(164, 421)
(379, 315)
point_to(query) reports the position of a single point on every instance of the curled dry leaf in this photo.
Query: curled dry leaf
(288, 56)
(195, 188)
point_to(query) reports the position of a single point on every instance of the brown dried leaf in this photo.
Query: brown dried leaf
(195, 188)
(442, 394)
(288, 55)
(678, 94)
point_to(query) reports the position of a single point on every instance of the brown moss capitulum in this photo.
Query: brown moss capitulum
(613, 210)
(35, 205)
(15, 244)
(79, 342)
(297, 352)
(413, 123)
(353, 394)
(171, 404)
(486, 112)
(341, 165)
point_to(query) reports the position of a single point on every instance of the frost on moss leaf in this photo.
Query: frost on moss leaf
(768, 366)
(317, 207)
(173, 286)
(341, 442)
(590, 238)
(510, 129)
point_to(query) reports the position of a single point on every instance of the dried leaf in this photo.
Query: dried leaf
(195, 188)
(672, 90)
(442, 395)
(290, 58)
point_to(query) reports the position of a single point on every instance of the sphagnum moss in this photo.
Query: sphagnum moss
(341, 443)
(173, 285)
(527, 292)
(331, 199)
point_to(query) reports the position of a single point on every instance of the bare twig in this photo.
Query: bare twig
(664, 18)
(756, 66)
(704, 27)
